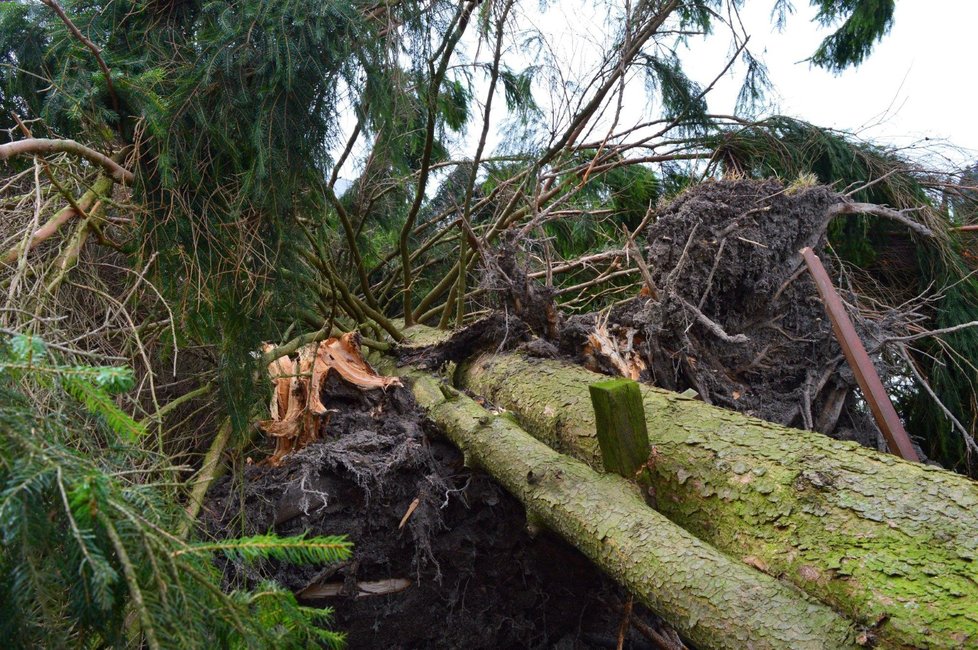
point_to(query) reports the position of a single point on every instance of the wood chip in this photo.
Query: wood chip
(365, 589)
(410, 511)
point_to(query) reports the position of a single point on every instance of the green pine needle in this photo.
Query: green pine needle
(294, 550)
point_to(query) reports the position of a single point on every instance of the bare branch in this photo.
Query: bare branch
(101, 187)
(968, 439)
(880, 211)
(711, 325)
(929, 333)
(32, 146)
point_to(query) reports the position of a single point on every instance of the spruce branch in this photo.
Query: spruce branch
(95, 50)
(294, 550)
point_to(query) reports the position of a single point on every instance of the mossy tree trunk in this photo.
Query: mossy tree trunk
(712, 600)
(891, 544)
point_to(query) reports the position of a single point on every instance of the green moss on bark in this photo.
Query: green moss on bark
(891, 544)
(713, 601)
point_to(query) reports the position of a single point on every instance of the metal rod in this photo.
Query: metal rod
(869, 380)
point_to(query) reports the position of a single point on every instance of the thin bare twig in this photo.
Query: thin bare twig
(970, 443)
(929, 333)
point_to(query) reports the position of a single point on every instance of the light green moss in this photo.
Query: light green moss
(891, 544)
(713, 601)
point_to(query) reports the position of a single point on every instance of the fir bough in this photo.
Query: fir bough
(88, 555)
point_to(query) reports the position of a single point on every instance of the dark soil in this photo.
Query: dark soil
(733, 316)
(478, 579)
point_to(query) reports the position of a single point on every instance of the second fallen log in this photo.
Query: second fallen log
(889, 543)
(713, 601)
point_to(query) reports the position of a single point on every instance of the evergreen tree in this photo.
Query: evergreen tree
(90, 553)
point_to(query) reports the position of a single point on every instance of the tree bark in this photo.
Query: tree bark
(713, 601)
(890, 544)
(117, 172)
(100, 188)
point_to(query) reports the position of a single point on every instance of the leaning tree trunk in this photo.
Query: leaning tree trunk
(891, 544)
(713, 601)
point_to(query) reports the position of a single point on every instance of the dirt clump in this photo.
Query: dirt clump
(461, 571)
(733, 316)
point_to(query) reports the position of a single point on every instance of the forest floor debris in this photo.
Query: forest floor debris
(737, 320)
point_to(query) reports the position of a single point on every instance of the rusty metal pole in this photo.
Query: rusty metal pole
(869, 381)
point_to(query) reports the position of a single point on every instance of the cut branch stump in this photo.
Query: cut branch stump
(622, 435)
(620, 420)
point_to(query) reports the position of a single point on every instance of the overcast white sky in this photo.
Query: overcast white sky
(920, 81)
(916, 84)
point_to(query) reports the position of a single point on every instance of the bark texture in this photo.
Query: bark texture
(44, 145)
(891, 544)
(100, 188)
(712, 600)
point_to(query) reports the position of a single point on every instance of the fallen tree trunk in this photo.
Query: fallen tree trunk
(713, 601)
(891, 544)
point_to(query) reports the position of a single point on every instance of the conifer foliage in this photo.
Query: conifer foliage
(89, 556)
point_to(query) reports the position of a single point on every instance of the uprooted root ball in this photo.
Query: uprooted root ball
(462, 571)
(738, 318)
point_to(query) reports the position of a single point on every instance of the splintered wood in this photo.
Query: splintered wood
(616, 347)
(297, 410)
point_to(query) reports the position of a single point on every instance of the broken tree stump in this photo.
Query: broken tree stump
(622, 435)
(620, 423)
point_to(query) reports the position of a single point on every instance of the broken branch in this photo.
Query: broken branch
(30, 146)
(879, 211)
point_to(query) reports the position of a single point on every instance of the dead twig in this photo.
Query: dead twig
(713, 270)
(709, 324)
(410, 511)
(682, 259)
(970, 443)
(879, 211)
(626, 617)
(868, 185)
(929, 333)
(638, 258)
